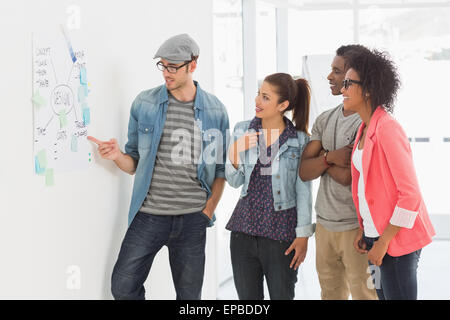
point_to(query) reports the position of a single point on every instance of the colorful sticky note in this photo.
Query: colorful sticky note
(49, 178)
(81, 93)
(38, 100)
(39, 170)
(62, 119)
(86, 116)
(42, 158)
(74, 144)
(83, 77)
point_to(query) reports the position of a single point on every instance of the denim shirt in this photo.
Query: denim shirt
(288, 189)
(145, 127)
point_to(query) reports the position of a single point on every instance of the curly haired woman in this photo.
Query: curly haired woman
(394, 222)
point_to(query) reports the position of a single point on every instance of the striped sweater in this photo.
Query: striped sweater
(174, 188)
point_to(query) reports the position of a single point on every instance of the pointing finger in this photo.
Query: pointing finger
(98, 142)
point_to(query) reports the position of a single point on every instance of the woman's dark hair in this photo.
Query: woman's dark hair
(379, 77)
(298, 93)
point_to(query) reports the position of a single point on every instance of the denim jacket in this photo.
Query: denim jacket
(145, 127)
(288, 189)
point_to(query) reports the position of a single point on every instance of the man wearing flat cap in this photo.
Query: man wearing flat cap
(177, 136)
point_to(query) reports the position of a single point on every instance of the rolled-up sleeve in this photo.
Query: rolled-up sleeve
(225, 131)
(318, 126)
(235, 177)
(131, 147)
(396, 148)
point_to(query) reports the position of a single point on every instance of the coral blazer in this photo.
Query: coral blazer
(391, 186)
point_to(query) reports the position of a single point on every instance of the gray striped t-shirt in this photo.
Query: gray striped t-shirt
(174, 188)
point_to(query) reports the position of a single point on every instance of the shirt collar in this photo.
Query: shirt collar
(198, 100)
(289, 131)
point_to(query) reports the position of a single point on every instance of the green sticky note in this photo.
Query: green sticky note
(49, 178)
(62, 119)
(38, 100)
(42, 158)
(74, 144)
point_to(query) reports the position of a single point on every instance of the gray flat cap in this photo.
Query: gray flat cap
(178, 49)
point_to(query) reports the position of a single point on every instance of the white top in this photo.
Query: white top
(369, 227)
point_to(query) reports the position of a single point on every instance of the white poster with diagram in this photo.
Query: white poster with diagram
(61, 111)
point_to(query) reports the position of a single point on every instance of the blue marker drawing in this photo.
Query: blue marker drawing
(69, 45)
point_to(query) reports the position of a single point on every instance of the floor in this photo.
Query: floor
(433, 277)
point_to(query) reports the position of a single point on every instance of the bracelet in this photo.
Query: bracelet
(325, 158)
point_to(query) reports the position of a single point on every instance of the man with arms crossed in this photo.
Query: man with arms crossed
(340, 268)
(177, 185)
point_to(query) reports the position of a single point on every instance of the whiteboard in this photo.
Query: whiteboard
(315, 69)
(61, 112)
(82, 219)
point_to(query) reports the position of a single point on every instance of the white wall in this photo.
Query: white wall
(82, 219)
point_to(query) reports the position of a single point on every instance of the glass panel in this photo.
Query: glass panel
(419, 42)
(380, 1)
(266, 40)
(228, 57)
(317, 32)
(402, 2)
(228, 87)
(301, 3)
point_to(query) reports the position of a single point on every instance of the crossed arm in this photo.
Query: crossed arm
(313, 165)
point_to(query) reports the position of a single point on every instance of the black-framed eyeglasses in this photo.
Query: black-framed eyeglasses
(170, 69)
(348, 82)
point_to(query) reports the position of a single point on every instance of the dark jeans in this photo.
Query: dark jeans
(396, 278)
(254, 258)
(185, 237)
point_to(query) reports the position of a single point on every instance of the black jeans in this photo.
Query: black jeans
(254, 258)
(396, 278)
(184, 235)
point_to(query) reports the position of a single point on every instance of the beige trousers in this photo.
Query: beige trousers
(341, 269)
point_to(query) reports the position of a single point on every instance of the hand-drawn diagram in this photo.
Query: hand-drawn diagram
(61, 109)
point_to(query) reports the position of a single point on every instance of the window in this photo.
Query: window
(228, 70)
(419, 42)
(228, 87)
(317, 32)
(266, 40)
